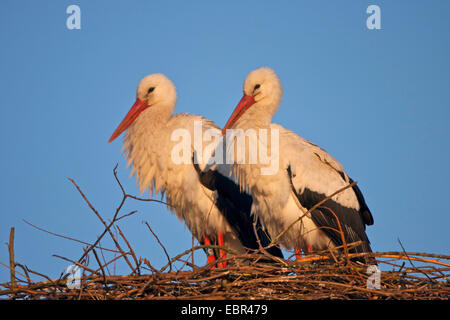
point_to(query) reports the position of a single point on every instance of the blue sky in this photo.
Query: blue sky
(377, 100)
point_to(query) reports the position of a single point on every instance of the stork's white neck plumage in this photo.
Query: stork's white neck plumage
(254, 118)
(152, 119)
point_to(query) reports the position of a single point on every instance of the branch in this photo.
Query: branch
(12, 264)
(162, 246)
(69, 238)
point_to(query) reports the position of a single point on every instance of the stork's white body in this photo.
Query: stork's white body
(306, 175)
(148, 148)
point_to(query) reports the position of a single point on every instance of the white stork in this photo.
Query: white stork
(148, 147)
(307, 174)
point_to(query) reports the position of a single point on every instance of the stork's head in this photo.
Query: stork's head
(262, 97)
(154, 91)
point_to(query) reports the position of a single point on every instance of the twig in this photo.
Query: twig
(107, 227)
(152, 268)
(126, 215)
(25, 271)
(12, 264)
(192, 246)
(100, 265)
(40, 274)
(130, 249)
(162, 246)
(68, 238)
(126, 195)
(113, 260)
(404, 251)
(9, 268)
(77, 264)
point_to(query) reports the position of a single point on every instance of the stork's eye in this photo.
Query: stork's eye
(150, 90)
(256, 87)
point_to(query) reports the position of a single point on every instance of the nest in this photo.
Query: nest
(255, 275)
(282, 280)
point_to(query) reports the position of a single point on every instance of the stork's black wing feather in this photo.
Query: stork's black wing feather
(364, 210)
(326, 218)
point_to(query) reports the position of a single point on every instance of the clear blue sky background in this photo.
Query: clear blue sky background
(378, 101)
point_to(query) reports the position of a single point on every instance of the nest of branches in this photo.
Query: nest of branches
(255, 275)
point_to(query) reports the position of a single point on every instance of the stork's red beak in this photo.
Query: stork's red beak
(243, 105)
(134, 112)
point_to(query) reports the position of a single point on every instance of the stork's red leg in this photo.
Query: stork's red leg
(222, 253)
(210, 258)
(298, 253)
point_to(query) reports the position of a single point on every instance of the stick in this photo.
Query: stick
(12, 264)
(404, 251)
(130, 250)
(107, 227)
(68, 238)
(162, 246)
(100, 265)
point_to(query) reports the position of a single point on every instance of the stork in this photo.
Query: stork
(148, 146)
(306, 175)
